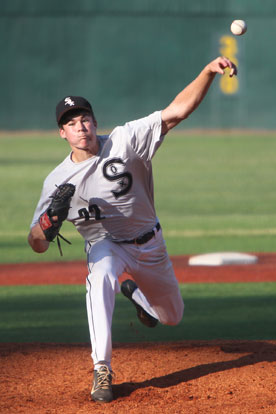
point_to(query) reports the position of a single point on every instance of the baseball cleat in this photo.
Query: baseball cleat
(127, 289)
(102, 385)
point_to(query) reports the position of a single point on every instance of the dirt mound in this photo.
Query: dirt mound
(228, 377)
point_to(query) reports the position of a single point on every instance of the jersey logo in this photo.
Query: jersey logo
(111, 171)
(68, 101)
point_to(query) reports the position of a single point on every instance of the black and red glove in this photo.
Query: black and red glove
(51, 220)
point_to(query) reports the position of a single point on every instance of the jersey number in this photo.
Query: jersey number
(93, 208)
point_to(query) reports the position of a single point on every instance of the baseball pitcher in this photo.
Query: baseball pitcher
(105, 188)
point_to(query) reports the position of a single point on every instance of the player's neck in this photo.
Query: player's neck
(82, 154)
(79, 156)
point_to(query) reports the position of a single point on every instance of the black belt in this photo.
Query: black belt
(145, 238)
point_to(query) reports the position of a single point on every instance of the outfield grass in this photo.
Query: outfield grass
(212, 311)
(212, 193)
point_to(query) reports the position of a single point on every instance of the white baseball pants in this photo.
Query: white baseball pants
(158, 292)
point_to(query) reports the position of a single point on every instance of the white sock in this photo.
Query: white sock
(100, 364)
(142, 301)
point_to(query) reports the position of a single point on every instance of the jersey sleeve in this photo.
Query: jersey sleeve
(144, 135)
(42, 205)
(49, 187)
(60, 175)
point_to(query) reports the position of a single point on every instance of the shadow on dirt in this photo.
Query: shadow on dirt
(256, 352)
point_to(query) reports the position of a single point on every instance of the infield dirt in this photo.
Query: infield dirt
(184, 377)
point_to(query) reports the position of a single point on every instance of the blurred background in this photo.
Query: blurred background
(131, 57)
(214, 176)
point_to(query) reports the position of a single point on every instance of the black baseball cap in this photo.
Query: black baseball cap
(70, 103)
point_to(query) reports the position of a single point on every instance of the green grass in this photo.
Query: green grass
(212, 193)
(212, 311)
(216, 193)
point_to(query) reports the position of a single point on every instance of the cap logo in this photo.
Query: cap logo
(68, 101)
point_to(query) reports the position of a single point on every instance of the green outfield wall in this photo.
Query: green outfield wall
(130, 58)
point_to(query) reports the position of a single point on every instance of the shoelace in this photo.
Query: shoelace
(104, 376)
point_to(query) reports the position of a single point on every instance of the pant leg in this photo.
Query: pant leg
(158, 290)
(104, 267)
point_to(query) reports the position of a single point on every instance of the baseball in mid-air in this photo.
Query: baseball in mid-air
(238, 27)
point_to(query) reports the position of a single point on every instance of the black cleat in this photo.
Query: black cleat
(127, 289)
(102, 385)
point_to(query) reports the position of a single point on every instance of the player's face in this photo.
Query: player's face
(80, 132)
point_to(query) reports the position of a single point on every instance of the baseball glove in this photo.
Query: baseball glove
(51, 220)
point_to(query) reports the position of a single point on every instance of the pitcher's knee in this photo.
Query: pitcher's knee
(173, 317)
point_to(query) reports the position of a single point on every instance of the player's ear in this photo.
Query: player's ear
(62, 133)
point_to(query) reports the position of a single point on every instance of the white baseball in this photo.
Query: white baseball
(238, 27)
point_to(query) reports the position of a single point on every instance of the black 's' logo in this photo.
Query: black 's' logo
(110, 172)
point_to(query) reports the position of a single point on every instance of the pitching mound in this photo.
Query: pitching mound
(228, 377)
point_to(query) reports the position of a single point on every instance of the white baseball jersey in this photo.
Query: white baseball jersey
(114, 189)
